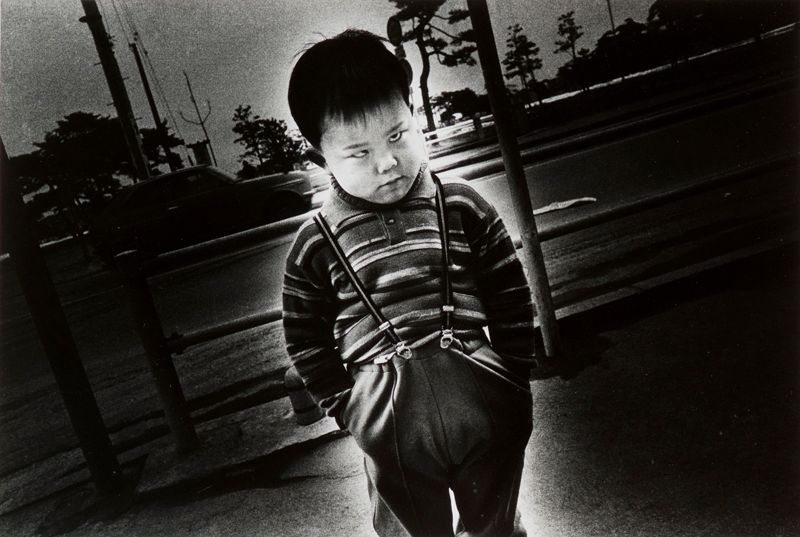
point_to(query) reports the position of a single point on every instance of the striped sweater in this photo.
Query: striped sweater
(396, 251)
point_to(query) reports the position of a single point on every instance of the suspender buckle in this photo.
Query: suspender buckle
(447, 338)
(402, 350)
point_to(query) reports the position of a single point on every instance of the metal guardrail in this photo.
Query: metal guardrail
(136, 269)
(159, 349)
(547, 232)
(224, 245)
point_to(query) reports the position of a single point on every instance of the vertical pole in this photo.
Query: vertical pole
(160, 128)
(611, 16)
(532, 250)
(159, 358)
(115, 83)
(53, 329)
(201, 120)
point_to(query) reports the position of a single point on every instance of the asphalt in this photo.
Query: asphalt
(680, 418)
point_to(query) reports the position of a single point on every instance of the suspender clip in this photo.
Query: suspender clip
(402, 350)
(447, 338)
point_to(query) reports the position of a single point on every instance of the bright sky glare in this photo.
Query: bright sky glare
(235, 52)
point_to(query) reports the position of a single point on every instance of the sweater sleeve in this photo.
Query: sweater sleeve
(502, 284)
(308, 315)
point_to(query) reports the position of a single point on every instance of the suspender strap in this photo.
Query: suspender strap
(383, 324)
(447, 289)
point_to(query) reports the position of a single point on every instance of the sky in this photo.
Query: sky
(234, 52)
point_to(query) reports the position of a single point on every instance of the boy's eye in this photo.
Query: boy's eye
(396, 136)
(359, 154)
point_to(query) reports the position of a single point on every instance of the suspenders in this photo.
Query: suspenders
(384, 325)
(447, 289)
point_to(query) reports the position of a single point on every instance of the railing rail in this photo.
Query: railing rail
(547, 232)
(159, 349)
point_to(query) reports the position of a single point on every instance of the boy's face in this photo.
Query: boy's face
(377, 159)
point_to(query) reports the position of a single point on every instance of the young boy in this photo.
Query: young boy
(385, 297)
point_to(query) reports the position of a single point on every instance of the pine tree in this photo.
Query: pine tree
(266, 140)
(522, 59)
(569, 32)
(457, 49)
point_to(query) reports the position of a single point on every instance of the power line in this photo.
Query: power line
(162, 96)
(129, 17)
(153, 73)
(119, 21)
(157, 83)
(103, 16)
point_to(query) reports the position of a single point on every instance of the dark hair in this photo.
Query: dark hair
(343, 77)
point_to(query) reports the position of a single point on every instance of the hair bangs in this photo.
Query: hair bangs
(352, 100)
(343, 78)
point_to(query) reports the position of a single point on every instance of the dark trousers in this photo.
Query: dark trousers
(446, 419)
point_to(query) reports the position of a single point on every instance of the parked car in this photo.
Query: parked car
(192, 205)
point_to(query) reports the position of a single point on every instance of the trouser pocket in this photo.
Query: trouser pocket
(481, 354)
(368, 411)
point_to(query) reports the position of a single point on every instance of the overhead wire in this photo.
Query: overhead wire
(160, 91)
(104, 18)
(119, 21)
(137, 38)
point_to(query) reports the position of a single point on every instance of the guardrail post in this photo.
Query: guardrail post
(159, 357)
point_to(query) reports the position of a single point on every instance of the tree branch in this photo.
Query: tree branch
(442, 31)
(419, 27)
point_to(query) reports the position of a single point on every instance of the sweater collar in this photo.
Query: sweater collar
(340, 205)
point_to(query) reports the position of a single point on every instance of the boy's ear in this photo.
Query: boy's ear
(315, 156)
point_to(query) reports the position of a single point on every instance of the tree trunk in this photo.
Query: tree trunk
(535, 84)
(525, 88)
(423, 82)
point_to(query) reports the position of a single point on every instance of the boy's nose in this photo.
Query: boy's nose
(386, 162)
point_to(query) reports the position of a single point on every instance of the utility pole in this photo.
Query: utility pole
(163, 136)
(611, 16)
(117, 87)
(532, 250)
(201, 121)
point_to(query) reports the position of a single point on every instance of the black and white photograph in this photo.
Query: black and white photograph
(399, 268)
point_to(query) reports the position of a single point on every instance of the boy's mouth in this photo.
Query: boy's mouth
(393, 182)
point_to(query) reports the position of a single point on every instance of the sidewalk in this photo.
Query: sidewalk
(682, 421)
